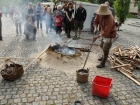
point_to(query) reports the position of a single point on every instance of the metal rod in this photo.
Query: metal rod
(88, 55)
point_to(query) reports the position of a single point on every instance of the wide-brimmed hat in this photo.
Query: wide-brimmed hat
(103, 10)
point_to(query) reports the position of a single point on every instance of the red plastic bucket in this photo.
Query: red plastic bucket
(101, 86)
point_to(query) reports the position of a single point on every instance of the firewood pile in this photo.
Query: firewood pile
(125, 60)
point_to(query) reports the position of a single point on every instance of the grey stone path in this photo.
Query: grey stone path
(46, 86)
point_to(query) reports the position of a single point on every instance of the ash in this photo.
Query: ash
(64, 50)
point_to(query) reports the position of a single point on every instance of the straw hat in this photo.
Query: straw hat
(103, 10)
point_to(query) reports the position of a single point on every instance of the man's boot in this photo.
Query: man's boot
(102, 64)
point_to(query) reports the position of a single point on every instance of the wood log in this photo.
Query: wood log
(137, 82)
(4, 63)
(120, 66)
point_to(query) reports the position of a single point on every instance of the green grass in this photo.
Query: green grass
(132, 16)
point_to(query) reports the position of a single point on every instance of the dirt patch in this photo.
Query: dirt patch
(70, 65)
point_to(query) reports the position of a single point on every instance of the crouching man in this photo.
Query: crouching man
(30, 29)
(105, 20)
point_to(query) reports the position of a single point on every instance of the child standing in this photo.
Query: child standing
(58, 23)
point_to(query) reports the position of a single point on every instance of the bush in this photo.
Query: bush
(121, 9)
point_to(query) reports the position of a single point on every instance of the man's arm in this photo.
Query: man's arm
(96, 23)
(85, 15)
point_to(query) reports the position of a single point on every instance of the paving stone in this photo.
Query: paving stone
(3, 102)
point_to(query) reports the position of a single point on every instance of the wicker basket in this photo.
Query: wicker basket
(12, 72)
(82, 78)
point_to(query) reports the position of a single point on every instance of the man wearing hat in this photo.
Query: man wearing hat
(106, 22)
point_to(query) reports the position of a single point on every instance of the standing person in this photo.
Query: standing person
(64, 18)
(61, 14)
(0, 26)
(5, 11)
(106, 21)
(58, 23)
(80, 17)
(17, 17)
(12, 10)
(92, 22)
(39, 14)
(110, 8)
(69, 19)
(31, 12)
(54, 8)
(48, 19)
(30, 28)
(59, 9)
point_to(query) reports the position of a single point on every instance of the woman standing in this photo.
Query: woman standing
(18, 20)
(48, 19)
(69, 18)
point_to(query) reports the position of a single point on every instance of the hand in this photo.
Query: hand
(95, 31)
(95, 38)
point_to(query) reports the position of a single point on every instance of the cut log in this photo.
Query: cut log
(120, 66)
(134, 80)
(4, 63)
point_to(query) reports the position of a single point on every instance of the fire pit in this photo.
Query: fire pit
(59, 51)
(64, 50)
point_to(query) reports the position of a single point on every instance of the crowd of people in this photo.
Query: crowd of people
(60, 18)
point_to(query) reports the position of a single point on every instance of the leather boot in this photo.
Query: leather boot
(102, 64)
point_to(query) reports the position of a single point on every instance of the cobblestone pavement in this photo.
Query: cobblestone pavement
(46, 86)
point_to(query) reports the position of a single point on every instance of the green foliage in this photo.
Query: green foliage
(121, 9)
(132, 16)
(137, 3)
(103, 1)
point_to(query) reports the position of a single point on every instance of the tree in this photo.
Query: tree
(137, 3)
(121, 9)
(103, 1)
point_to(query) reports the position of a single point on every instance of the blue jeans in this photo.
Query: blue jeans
(39, 20)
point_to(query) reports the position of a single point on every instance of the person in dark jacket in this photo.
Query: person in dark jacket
(80, 17)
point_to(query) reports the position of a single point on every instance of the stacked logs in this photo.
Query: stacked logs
(125, 60)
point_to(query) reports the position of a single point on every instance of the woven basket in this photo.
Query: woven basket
(12, 72)
(84, 77)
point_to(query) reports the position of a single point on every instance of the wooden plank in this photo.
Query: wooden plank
(4, 63)
(120, 66)
(138, 83)
(36, 58)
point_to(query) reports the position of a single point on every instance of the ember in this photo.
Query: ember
(65, 50)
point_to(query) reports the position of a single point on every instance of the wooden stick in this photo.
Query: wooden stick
(36, 58)
(4, 63)
(120, 66)
(138, 83)
(16, 58)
